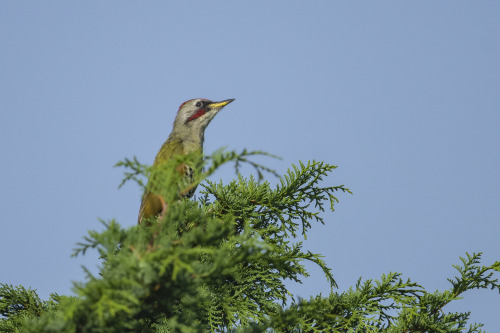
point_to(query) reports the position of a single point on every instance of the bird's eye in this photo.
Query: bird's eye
(198, 104)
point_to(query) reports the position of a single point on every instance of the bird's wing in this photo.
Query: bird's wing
(171, 147)
(152, 204)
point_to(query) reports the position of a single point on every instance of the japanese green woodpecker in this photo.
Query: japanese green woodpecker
(186, 137)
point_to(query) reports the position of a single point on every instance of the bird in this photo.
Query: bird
(187, 137)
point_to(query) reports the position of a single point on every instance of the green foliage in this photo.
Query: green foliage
(18, 303)
(389, 305)
(220, 264)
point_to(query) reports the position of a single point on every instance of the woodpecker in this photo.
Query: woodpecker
(187, 136)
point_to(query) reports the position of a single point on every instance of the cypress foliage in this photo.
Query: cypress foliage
(219, 263)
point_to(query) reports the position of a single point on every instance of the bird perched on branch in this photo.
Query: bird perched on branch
(186, 137)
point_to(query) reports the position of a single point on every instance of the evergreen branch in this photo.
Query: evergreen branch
(105, 242)
(138, 174)
(18, 299)
(427, 314)
(18, 303)
(473, 276)
(316, 258)
(297, 191)
(360, 309)
(220, 157)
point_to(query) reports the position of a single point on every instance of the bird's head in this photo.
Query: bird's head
(196, 114)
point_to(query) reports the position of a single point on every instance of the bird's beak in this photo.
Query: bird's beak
(220, 105)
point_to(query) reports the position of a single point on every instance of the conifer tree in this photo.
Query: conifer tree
(219, 264)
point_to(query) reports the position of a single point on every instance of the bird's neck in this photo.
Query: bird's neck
(191, 138)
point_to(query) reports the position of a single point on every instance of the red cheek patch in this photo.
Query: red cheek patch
(197, 115)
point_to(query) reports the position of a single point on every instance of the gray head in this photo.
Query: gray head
(195, 115)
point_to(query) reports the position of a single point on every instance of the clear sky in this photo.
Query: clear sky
(403, 96)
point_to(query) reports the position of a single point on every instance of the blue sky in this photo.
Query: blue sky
(402, 96)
